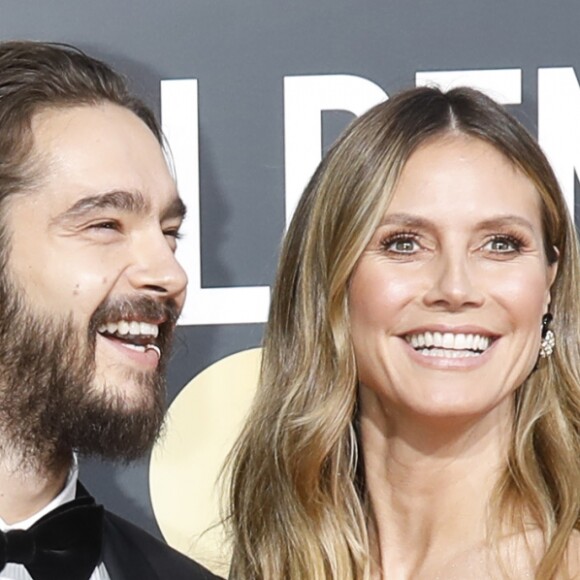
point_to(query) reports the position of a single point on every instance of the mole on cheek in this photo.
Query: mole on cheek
(76, 290)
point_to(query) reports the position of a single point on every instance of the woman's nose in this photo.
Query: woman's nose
(455, 284)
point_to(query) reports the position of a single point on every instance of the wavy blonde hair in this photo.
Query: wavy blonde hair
(297, 501)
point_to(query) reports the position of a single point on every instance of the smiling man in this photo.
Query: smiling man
(90, 293)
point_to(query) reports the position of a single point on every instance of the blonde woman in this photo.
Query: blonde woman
(418, 409)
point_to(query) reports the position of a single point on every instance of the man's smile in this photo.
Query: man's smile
(134, 335)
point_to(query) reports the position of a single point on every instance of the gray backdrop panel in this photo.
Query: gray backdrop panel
(240, 50)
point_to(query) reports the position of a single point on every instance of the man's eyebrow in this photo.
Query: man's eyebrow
(122, 200)
(176, 209)
(127, 201)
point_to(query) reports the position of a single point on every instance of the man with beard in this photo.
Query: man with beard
(90, 292)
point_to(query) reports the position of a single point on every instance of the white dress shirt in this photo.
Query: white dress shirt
(17, 571)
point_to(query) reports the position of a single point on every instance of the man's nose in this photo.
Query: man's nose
(455, 284)
(154, 268)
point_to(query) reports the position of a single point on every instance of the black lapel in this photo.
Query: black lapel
(82, 490)
(123, 560)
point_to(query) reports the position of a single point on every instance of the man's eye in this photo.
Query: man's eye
(173, 233)
(106, 225)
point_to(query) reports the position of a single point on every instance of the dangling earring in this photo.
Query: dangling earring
(548, 338)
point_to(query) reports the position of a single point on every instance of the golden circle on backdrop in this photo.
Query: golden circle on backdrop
(202, 425)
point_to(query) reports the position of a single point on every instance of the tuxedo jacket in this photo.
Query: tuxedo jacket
(130, 553)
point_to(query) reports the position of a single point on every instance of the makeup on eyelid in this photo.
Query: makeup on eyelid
(516, 240)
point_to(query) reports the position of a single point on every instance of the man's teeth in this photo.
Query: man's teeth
(124, 327)
(449, 344)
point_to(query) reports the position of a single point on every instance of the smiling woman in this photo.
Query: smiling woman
(415, 416)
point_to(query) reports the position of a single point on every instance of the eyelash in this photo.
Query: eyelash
(513, 239)
(106, 225)
(399, 236)
(174, 234)
(510, 238)
(116, 226)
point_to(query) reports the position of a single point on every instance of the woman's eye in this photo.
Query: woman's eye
(401, 245)
(503, 245)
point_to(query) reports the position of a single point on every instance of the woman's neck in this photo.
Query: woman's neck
(429, 481)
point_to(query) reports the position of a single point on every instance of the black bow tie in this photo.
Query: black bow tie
(65, 544)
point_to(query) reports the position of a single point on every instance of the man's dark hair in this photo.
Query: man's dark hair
(35, 76)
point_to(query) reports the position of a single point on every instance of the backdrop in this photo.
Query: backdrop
(251, 92)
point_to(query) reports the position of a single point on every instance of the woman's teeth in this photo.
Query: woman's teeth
(448, 344)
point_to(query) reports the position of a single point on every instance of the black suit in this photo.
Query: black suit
(130, 553)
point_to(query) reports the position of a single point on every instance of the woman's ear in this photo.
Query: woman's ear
(551, 273)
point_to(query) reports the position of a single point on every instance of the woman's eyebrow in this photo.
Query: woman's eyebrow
(413, 221)
(506, 221)
(405, 219)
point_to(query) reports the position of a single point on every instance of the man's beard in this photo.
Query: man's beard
(49, 402)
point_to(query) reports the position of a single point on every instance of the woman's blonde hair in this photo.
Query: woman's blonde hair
(297, 502)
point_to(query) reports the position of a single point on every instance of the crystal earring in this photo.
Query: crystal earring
(548, 338)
